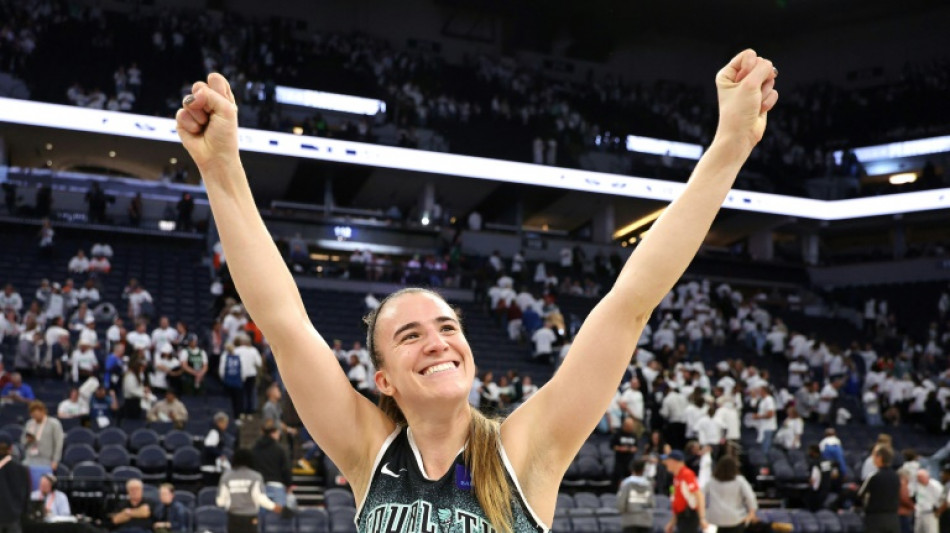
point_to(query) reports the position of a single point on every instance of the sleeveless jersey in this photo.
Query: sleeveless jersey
(401, 499)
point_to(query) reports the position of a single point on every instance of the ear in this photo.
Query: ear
(382, 383)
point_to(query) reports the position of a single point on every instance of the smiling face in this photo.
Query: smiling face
(423, 355)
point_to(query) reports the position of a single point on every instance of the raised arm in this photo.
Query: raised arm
(553, 425)
(345, 425)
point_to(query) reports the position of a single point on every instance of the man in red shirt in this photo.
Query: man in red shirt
(689, 507)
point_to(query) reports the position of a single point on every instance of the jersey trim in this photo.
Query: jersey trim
(514, 479)
(379, 457)
(418, 456)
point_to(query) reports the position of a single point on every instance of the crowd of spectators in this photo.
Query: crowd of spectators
(552, 120)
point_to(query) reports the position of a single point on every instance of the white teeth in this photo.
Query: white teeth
(438, 368)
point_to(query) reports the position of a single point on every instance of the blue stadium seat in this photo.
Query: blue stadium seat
(586, 500)
(78, 453)
(609, 524)
(213, 519)
(564, 501)
(341, 520)
(207, 495)
(112, 435)
(338, 498)
(562, 524)
(274, 523)
(312, 520)
(114, 456)
(608, 500)
(186, 465)
(79, 435)
(585, 524)
(125, 473)
(188, 499)
(829, 521)
(805, 521)
(143, 437)
(153, 463)
(177, 439)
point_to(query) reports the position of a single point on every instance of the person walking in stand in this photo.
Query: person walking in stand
(635, 500)
(689, 504)
(241, 493)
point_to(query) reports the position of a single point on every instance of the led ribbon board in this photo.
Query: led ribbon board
(319, 148)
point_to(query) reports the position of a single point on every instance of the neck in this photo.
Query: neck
(440, 436)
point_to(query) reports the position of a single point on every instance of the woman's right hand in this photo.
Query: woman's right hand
(208, 126)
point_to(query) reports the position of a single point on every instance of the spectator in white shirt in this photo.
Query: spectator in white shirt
(85, 364)
(100, 265)
(101, 250)
(544, 339)
(72, 407)
(10, 299)
(164, 333)
(827, 399)
(793, 427)
(765, 417)
(234, 323)
(251, 363)
(88, 294)
(139, 339)
(79, 264)
(137, 297)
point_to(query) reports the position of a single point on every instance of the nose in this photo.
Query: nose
(435, 344)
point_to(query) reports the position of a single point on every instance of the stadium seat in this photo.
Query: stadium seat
(341, 520)
(78, 453)
(114, 456)
(125, 473)
(585, 524)
(188, 499)
(564, 501)
(562, 524)
(587, 500)
(79, 435)
(186, 465)
(312, 520)
(213, 519)
(110, 436)
(851, 523)
(141, 438)
(15, 431)
(176, 439)
(88, 482)
(609, 524)
(274, 523)
(589, 449)
(608, 500)
(207, 496)
(592, 472)
(338, 498)
(153, 463)
(805, 521)
(830, 523)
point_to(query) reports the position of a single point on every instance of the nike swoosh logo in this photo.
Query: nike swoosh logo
(389, 472)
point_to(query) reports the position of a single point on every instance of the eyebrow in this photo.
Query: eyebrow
(411, 325)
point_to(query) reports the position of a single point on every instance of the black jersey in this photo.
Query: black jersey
(401, 499)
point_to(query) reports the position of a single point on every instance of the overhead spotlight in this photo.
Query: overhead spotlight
(425, 220)
(49, 162)
(544, 227)
(49, 146)
(173, 160)
(903, 178)
(624, 244)
(298, 130)
(111, 153)
(452, 220)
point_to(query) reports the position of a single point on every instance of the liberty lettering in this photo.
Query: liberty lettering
(397, 519)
